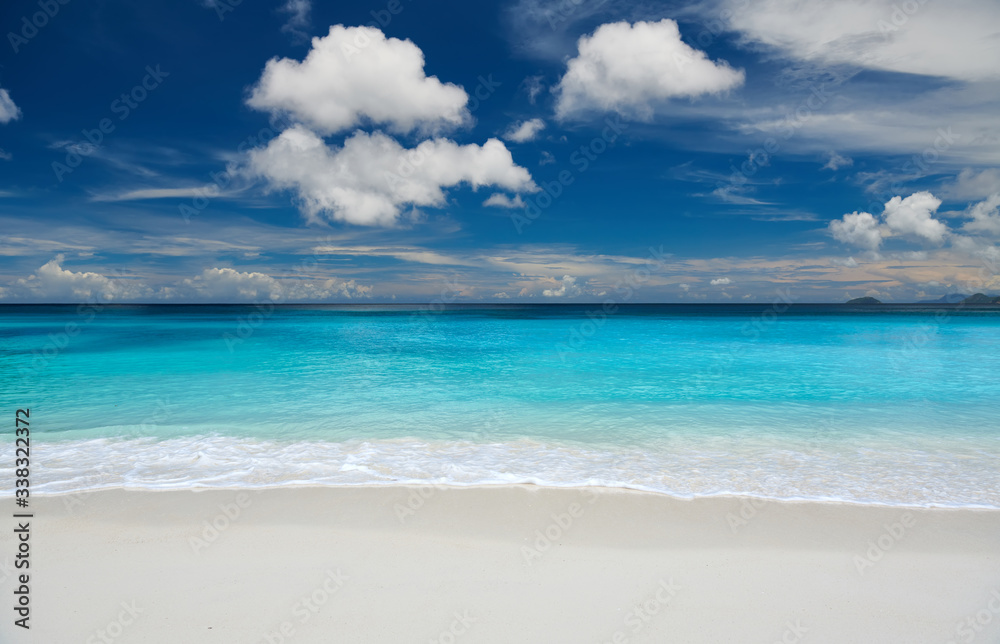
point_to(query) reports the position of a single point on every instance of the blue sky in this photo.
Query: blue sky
(288, 150)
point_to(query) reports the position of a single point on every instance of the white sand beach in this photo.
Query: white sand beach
(500, 564)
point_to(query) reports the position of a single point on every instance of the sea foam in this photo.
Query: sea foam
(961, 474)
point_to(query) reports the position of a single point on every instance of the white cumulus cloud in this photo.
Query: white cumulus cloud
(524, 131)
(354, 76)
(915, 216)
(910, 217)
(632, 68)
(722, 281)
(567, 288)
(230, 285)
(53, 283)
(372, 177)
(857, 229)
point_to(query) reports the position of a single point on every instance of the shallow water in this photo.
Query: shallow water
(872, 404)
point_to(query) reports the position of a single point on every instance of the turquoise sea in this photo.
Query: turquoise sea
(884, 404)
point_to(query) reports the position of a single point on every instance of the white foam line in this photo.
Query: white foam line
(861, 475)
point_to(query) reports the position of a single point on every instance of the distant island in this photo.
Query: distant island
(951, 298)
(954, 298)
(980, 298)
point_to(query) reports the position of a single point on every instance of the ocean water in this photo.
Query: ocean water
(887, 405)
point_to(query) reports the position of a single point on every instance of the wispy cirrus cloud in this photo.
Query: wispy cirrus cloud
(500, 200)
(298, 18)
(8, 110)
(955, 40)
(205, 190)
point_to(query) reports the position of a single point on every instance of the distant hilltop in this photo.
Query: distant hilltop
(950, 298)
(962, 298)
(980, 298)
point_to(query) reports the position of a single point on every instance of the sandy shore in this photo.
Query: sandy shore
(502, 564)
